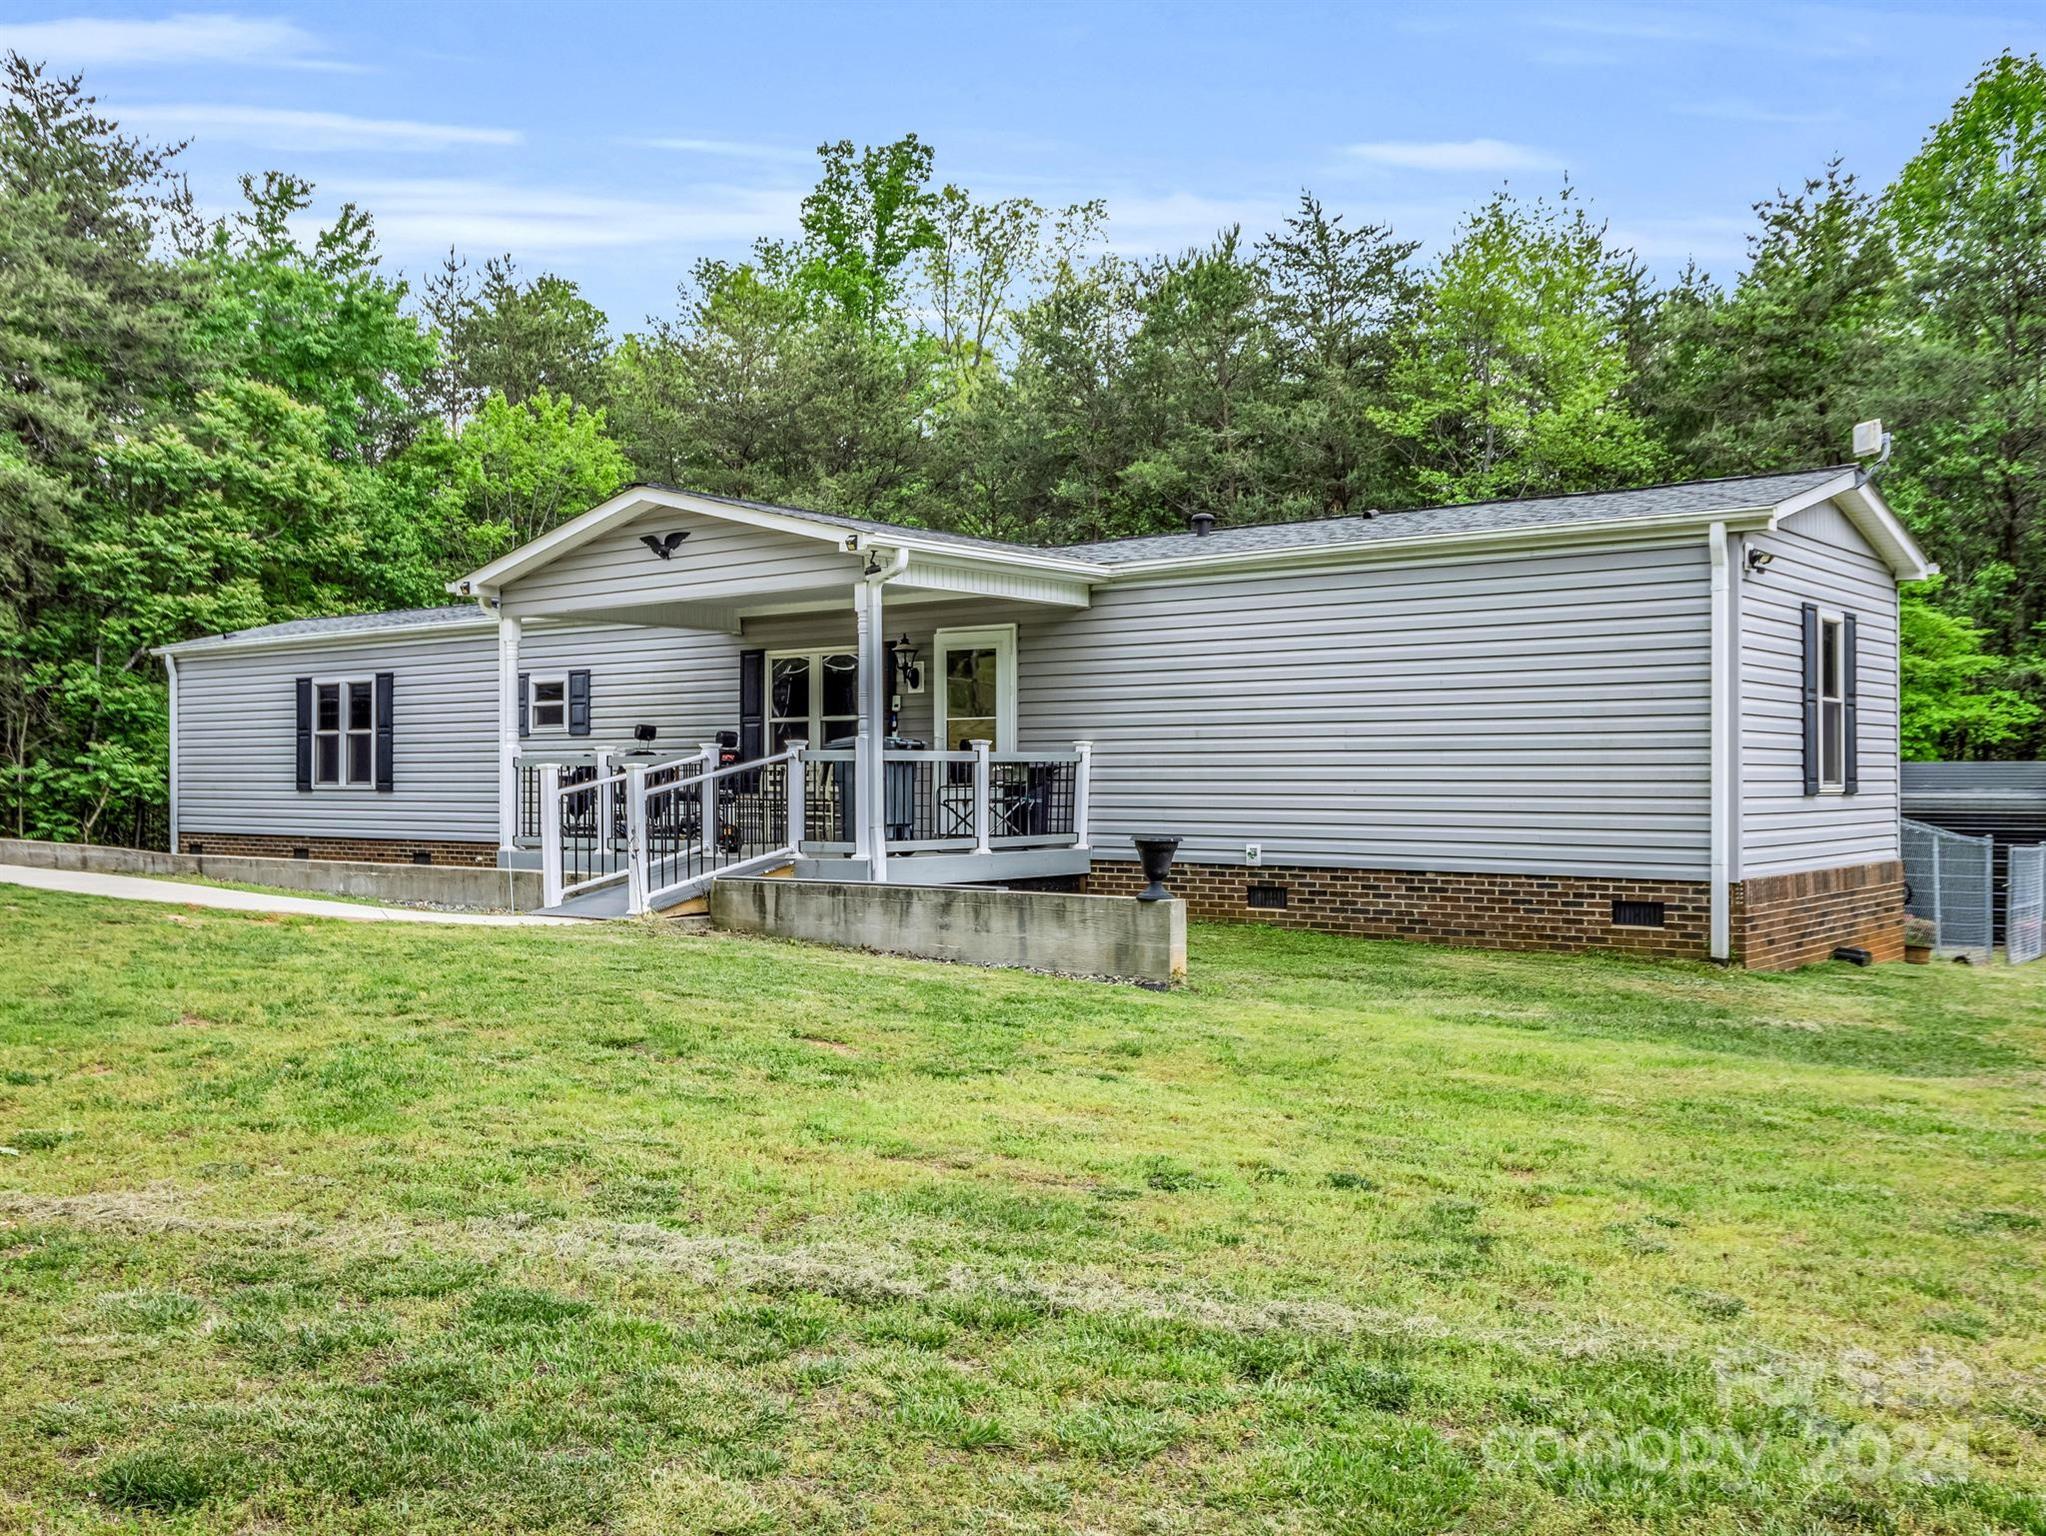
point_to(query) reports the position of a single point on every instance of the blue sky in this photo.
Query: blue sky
(614, 144)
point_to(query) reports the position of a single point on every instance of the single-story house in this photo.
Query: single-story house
(1660, 720)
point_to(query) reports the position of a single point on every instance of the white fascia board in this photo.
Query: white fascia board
(1881, 526)
(209, 645)
(1479, 541)
(625, 506)
(638, 500)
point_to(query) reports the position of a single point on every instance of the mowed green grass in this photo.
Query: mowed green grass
(310, 1225)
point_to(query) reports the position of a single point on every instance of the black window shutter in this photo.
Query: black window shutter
(579, 703)
(1811, 699)
(1850, 710)
(753, 705)
(525, 704)
(384, 717)
(304, 685)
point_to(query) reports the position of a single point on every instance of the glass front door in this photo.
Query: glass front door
(812, 696)
(976, 687)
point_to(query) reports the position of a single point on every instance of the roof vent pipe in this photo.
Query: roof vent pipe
(1203, 524)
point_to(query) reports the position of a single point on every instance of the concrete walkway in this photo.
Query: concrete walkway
(84, 882)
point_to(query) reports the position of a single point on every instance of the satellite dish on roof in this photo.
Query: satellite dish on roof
(1869, 437)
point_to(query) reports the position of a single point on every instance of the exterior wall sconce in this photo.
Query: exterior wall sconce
(907, 670)
(1758, 559)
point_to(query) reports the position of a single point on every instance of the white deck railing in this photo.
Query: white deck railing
(667, 828)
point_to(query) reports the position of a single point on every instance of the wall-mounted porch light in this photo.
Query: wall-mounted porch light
(909, 674)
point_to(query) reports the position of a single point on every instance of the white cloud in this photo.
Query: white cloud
(729, 149)
(1708, 238)
(1455, 155)
(1740, 110)
(1146, 225)
(432, 214)
(288, 128)
(214, 37)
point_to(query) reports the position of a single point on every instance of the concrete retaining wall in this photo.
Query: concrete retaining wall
(439, 885)
(1083, 935)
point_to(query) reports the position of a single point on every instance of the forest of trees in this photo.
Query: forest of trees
(216, 423)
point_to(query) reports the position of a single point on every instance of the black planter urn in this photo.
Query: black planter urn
(1156, 852)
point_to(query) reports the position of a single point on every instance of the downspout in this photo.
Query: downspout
(1724, 782)
(874, 688)
(507, 726)
(170, 668)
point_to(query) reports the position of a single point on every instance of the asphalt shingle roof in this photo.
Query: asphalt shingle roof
(348, 623)
(1693, 496)
(1471, 517)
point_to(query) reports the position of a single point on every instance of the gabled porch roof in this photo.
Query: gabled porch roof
(825, 555)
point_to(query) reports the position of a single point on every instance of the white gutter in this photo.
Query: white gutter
(1724, 783)
(1474, 539)
(170, 667)
(874, 681)
(207, 645)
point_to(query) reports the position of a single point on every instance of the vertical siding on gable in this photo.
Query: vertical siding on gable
(1546, 713)
(1820, 557)
(720, 561)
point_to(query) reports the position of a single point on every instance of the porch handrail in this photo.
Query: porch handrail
(557, 845)
(707, 819)
(708, 825)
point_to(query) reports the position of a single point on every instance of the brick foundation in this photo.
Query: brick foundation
(1783, 921)
(1779, 923)
(1556, 913)
(375, 850)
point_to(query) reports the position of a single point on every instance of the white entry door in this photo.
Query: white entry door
(976, 687)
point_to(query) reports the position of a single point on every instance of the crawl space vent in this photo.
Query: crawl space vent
(1269, 898)
(1637, 914)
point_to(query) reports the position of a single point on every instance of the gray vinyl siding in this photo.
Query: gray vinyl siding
(683, 682)
(237, 720)
(1539, 714)
(1819, 557)
(236, 723)
(719, 562)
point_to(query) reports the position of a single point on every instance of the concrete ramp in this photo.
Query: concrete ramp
(1111, 936)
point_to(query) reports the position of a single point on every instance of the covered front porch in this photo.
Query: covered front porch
(809, 768)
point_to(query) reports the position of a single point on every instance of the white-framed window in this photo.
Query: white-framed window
(547, 701)
(344, 732)
(812, 696)
(1832, 702)
(976, 687)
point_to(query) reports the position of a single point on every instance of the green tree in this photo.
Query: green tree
(1775, 374)
(1514, 378)
(863, 224)
(517, 339)
(320, 320)
(1202, 375)
(981, 261)
(1947, 710)
(1039, 457)
(523, 469)
(94, 339)
(1968, 216)
(1337, 299)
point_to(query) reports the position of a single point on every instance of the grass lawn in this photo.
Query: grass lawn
(313, 1225)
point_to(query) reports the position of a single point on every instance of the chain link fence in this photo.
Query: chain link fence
(1950, 880)
(2024, 929)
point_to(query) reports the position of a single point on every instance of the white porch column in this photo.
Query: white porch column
(507, 732)
(873, 774)
(1083, 792)
(796, 776)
